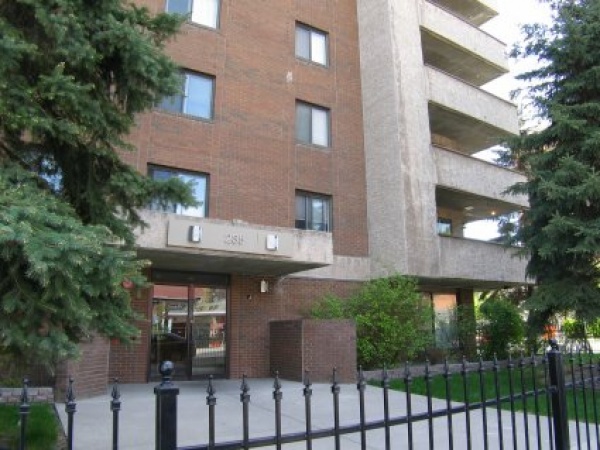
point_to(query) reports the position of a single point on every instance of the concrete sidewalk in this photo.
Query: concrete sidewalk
(93, 419)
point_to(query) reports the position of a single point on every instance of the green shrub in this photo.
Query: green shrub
(330, 307)
(501, 327)
(594, 329)
(574, 329)
(393, 321)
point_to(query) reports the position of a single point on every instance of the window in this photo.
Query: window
(311, 44)
(202, 12)
(444, 226)
(313, 212)
(312, 124)
(196, 97)
(199, 183)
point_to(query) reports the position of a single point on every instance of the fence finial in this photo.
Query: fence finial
(385, 378)
(244, 387)
(306, 381)
(361, 378)
(210, 390)
(24, 391)
(115, 393)
(166, 369)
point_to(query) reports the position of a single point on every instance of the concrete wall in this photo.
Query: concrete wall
(461, 172)
(456, 95)
(400, 175)
(465, 35)
(480, 261)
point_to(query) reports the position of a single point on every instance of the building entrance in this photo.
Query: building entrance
(189, 329)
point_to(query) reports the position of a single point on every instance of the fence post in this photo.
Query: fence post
(23, 413)
(115, 407)
(70, 409)
(559, 397)
(166, 409)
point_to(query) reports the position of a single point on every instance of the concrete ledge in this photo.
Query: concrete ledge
(12, 396)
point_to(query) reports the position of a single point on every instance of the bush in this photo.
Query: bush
(393, 321)
(501, 328)
(594, 329)
(574, 329)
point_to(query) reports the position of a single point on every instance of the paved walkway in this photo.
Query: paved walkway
(93, 419)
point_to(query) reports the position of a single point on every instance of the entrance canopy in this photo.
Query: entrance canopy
(175, 242)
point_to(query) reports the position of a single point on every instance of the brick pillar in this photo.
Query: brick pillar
(89, 372)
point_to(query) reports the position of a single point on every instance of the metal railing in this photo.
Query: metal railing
(531, 381)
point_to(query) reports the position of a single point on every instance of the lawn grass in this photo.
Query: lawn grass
(42, 427)
(578, 404)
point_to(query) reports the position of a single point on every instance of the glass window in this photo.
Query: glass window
(196, 97)
(444, 226)
(202, 12)
(182, 7)
(312, 124)
(311, 44)
(313, 212)
(198, 182)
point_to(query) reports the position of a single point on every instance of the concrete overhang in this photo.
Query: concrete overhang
(467, 134)
(444, 284)
(176, 242)
(459, 48)
(482, 263)
(472, 206)
(450, 97)
(476, 12)
(461, 173)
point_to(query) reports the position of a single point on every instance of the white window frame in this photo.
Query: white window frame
(316, 37)
(193, 12)
(316, 121)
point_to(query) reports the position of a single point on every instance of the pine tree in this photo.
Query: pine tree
(73, 75)
(561, 230)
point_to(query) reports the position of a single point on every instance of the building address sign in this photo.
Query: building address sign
(228, 237)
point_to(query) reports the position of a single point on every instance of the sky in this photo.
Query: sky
(506, 27)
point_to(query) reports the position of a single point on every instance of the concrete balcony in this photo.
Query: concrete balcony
(467, 115)
(187, 243)
(483, 264)
(476, 12)
(461, 173)
(457, 47)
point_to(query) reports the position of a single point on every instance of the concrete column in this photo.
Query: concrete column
(401, 173)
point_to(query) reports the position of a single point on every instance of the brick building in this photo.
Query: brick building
(328, 142)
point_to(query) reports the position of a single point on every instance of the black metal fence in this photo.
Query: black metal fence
(534, 400)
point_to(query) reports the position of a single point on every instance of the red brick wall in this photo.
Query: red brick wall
(89, 372)
(286, 349)
(249, 315)
(329, 344)
(249, 319)
(316, 346)
(249, 149)
(129, 362)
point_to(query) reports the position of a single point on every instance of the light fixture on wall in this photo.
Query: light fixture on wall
(264, 286)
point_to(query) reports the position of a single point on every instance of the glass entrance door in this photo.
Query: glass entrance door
(188, 328)
(207, 324)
